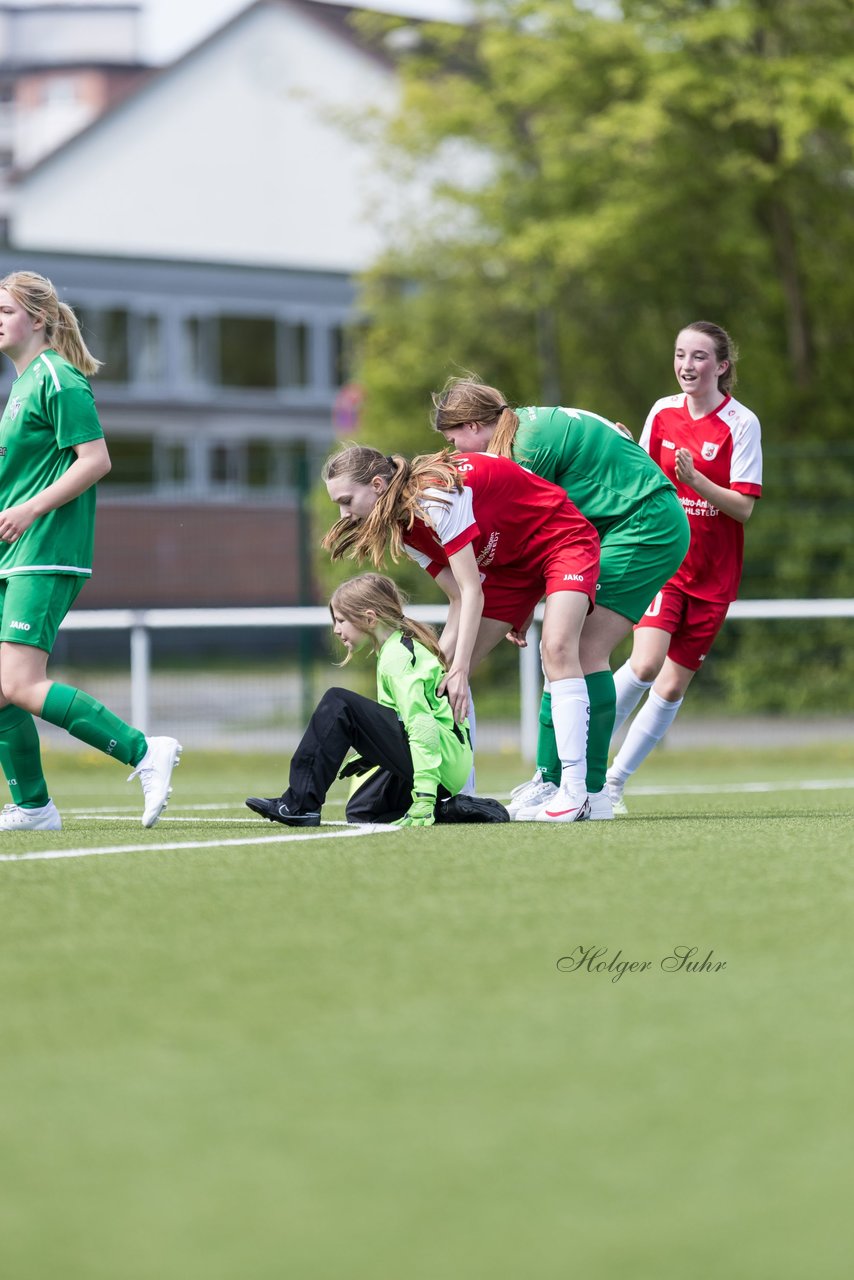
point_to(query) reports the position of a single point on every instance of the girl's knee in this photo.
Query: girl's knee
(645, 669)
(560, 658)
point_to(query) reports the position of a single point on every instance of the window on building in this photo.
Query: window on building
(247, 351)
(133, 463)
(59, 90)
(224, 466)
(344, 347)
(296, 359)
(272, 464)
(195, 349)
(172, 465)
(147, 349)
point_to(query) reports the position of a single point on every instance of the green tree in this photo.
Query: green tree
(595, 177)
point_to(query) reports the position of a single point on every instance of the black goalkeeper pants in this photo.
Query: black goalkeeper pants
(345, 721)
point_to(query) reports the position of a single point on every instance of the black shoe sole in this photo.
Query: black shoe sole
(471, 809)
(269, 809)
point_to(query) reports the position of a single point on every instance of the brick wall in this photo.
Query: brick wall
(183, 556)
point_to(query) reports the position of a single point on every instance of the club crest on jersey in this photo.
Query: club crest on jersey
(14, 407)
(709, 450)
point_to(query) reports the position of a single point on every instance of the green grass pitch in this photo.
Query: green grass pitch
(231, 1055)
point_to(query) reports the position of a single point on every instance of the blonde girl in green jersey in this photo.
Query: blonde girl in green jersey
(52, 454)
(643, 534)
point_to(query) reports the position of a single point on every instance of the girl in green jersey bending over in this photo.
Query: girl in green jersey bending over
(643, 534)
(52, 454)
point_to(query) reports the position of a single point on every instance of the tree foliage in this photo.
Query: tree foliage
(595, 177)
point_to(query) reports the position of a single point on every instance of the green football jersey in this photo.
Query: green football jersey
(50, 409)
(604, 472)
(407, 679)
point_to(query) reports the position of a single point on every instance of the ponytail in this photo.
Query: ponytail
(37, 295)
(68, 341)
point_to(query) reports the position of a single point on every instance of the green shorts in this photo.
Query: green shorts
(32, 606)
(642, 552)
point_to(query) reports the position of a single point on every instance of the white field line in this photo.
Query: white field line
(742, 788)
(365, 829)
(116, 812)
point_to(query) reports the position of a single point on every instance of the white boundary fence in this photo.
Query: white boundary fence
(140, 623)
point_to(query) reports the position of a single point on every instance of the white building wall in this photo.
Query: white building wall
(228, 156)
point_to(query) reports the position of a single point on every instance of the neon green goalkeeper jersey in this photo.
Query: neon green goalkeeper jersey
(604, 472)
(407, 678)
(50, 409)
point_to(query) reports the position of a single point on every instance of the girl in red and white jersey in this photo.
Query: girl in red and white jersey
(496, 538)
(709, 445)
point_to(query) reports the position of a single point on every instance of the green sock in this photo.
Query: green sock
(21, 758)
(603, 711)
(548, 760)
(90, 721)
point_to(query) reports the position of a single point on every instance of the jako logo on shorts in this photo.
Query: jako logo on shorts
(20, 626)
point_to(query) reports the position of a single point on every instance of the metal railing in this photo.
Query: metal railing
(140, 623)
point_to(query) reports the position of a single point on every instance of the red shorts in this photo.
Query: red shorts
(564, 556)
(692, 623)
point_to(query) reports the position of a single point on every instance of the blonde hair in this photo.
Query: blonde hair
(37, 295)
(374, 592)
(467, 400)
(396, 508)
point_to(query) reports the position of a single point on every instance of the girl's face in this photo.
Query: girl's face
(469, 437)
(355, 500)
(351, 636)
(696, 365)
(18, 331)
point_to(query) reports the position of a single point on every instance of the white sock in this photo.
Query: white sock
(648, 728)
(469, 786)
(629, 691)
(571, 716)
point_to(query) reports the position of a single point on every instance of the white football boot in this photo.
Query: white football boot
(565, 806)
(45, 818)
(528, 798)
(155, 774)
(615, 791)
(601, 809)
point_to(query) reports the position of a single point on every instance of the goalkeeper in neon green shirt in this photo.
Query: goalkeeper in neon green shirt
(414, 757)
(643, 537)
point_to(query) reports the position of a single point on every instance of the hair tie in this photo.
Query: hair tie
(390, 459)
(502, 407)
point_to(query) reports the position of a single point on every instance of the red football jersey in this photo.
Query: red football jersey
(503, 512)
(726, 446)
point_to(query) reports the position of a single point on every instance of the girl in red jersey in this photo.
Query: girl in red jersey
(496, 539)
(709, 445)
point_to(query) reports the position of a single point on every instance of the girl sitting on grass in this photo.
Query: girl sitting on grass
(415, 754)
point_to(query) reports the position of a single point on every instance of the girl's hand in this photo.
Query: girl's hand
(14, 521)
(455, 687)
(519, 635)
(685, 471)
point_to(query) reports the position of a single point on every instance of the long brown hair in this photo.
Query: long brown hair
(37, 295)
(467, 400)
(725, 349)
(396, 509)
(374, 591)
